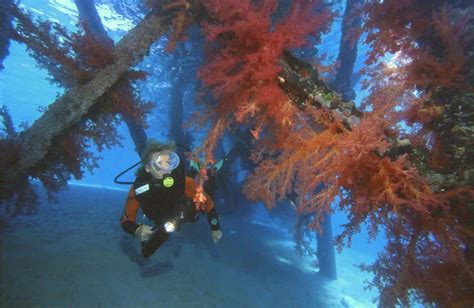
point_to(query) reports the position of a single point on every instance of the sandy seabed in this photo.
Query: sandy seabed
(73, 253)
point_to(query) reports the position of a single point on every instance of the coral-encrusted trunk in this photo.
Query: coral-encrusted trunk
(347, 51)
(5, 26)
(88, 15)
(70, 108)
(342, 84)
(303, 83)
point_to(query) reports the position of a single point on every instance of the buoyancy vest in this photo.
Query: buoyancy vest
(161, 199)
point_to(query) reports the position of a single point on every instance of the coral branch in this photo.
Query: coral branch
(415, 184)
(69, 109)
(180, 22)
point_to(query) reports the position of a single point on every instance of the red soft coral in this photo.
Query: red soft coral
(243, 71)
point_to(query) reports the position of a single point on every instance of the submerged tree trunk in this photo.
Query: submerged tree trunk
(5, 28)
(176, 131)
(325, 250)
(343, 85)
(88, 15)
(347, 51)
(71, 108)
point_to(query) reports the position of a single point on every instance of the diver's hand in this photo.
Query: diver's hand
(216, 235)
(144, 233)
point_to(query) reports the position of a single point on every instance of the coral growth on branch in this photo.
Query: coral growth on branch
(73, 59)
(242, 72)
(180, 22)
(428, 84)
(413, 183)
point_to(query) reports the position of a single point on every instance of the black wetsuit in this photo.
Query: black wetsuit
(163, 200)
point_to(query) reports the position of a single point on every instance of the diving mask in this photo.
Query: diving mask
(164, 161)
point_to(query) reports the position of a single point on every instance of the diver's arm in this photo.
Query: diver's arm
(212, 217)
(128, 220)
(213, 220)
(190, 191)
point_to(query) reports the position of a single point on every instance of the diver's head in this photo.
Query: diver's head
(159, 159)
(161, 163)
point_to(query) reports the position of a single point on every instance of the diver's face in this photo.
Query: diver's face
(156, 160)
(162, 162)
(151, 167)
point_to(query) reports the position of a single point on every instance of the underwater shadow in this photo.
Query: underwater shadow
(147, 268)
(156, 269)
(197, 235)
(128, 247)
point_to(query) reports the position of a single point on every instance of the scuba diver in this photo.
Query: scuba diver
(165, 194)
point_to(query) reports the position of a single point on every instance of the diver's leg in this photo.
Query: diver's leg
(149, 247)
(189, 212)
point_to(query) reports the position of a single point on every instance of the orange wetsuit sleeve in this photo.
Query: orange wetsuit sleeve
(131, 206)
(190, 191)
(129, 216)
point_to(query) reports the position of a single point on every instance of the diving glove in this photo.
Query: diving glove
(216, 235)
(144, 233)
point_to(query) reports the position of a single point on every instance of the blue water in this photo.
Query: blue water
(73, 253)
